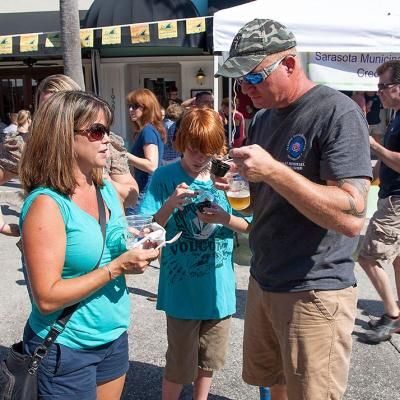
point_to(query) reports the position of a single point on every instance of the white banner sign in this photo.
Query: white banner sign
(347, 71)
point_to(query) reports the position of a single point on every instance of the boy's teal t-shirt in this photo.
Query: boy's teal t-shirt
(197, 279)
(105, 315)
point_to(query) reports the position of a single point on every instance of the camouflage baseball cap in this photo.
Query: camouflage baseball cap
(254, 41)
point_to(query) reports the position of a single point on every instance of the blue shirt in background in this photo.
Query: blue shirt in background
(169, 152)
(148, 135)
(197, 279)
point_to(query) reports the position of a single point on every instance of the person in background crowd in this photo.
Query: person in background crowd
(149, 138)
(308, 162)
(202, 99)
(359, 98)
(12, 128)
(376, 130)
(197, 281)
(2, 125)
(10, 154)
(24, 121)
(162, 109)
(238, 124)
(381, 243)
(117, 168)
(11, 148)
(53, 84)
(62, 244)
(173, 113)
(173, 96)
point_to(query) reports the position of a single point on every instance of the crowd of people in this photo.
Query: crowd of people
(307, 159)
(376, 114)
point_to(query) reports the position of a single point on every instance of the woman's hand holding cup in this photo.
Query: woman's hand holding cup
(134, 261)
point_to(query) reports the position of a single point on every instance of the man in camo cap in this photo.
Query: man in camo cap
(309, 168)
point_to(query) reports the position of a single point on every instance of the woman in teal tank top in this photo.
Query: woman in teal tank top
(62, 242)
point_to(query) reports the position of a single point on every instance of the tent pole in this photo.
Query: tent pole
(216, 84)
(230, 114)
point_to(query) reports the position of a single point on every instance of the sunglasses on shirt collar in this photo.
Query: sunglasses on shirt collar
(95, 132)
(255, 78)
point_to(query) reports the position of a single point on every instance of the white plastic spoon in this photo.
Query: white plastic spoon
(172, 240)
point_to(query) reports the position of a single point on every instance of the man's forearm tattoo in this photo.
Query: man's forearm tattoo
(362, 187)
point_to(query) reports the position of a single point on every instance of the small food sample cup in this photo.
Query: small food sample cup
(219, 168)
(204, 204)
(137, 227)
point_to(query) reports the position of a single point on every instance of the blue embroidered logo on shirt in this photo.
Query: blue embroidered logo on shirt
(296, 146)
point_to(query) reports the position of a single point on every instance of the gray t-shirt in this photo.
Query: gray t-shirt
(322, 136)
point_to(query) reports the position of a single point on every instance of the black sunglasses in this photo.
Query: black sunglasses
(383, 86)
(95, 132)
(134, 106)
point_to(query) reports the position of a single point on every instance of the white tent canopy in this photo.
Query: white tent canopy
(342, 42)
(330, 26)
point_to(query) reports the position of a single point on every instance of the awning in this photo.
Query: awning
(104, 13)
(119, 28)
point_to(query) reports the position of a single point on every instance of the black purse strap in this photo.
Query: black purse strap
(41, 351)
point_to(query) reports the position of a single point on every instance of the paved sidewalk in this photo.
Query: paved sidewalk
(374, 369)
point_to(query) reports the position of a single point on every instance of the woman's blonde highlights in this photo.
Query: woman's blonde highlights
(49, 159)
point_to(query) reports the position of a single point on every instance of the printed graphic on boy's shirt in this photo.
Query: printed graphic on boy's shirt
(190, 224)
(198, 259)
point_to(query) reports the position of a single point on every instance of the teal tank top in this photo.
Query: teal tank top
(105, 315)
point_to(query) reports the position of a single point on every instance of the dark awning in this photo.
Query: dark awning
(31, 22)
(122, 12)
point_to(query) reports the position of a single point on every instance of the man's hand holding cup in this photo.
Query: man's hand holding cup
(253, 163)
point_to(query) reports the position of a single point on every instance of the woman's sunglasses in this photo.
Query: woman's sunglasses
(134, 106)
(95, 132)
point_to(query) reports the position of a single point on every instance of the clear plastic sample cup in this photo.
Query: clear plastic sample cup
(136, 228)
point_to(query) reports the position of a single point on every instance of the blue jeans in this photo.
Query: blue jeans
(67, 373)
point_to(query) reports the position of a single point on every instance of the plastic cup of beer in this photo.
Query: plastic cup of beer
(136, 228)
(238, 193)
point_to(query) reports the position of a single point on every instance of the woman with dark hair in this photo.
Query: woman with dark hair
(63, 246)
(149, 137)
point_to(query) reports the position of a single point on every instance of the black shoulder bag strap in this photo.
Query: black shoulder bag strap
(41, 351)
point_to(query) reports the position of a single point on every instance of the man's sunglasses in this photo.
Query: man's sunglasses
(255, 78)
(134, 106)
(95, 132)
(383, 86)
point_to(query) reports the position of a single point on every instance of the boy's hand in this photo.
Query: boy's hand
(214, 215)
(181, 196)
